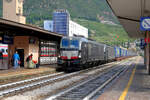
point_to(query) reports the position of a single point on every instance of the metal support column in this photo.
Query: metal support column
(145, 55)
(148, 44)
(147, 52)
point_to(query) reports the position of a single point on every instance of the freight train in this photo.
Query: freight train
(78, 53)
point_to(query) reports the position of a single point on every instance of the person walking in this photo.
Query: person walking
(16, 59)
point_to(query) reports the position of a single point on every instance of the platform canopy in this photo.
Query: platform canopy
(17, 29)
(129, 12)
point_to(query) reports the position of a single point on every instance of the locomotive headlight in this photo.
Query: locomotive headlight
(79, 55)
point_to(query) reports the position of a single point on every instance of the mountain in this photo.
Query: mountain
(86, 9)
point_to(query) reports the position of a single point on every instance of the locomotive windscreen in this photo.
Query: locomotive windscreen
(74, 43)
(65, 43)
(69, 43)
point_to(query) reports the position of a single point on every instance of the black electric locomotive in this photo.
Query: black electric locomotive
(79, 53)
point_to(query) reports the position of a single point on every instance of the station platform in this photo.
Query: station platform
(134, 84)
(22, 73)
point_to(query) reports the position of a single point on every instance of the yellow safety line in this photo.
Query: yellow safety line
(123, 95)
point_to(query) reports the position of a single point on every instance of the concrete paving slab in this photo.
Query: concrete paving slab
(138, 90)
(10, 73)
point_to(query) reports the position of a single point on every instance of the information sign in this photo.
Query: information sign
(145, 24)
(7, 39)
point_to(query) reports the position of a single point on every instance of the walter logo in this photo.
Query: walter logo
(145, 24)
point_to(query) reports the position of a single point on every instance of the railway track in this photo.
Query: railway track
(21, 86)
(87, 89)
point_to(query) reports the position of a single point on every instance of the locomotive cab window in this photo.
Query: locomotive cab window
(74, 43)
(65, 43)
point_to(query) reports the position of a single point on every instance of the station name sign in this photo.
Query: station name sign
(145, 24)
(6, 39)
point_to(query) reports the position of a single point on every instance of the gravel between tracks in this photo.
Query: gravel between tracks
(32, 95)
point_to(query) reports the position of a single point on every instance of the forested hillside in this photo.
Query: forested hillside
(110, 34)
(86, 9)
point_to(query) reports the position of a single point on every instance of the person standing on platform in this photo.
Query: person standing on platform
(1, 56)
(30, 62)
(16, 59)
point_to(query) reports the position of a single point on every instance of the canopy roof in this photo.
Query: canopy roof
(18, 29)
(129, 12)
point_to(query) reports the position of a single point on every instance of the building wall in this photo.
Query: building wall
(77, 29)
(13, 10)
(19, 44)
(22, 42)
(21, 19)
(19, 7)
(34, 49)
(61, 22)
(9, 10)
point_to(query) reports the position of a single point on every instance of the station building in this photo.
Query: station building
(26, 39)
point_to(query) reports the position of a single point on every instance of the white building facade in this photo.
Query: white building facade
(77, 29)
(48, 25)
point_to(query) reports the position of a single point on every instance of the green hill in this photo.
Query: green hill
(109, 34)
(86, 9)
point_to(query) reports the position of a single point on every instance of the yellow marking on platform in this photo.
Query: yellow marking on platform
(123, 95)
